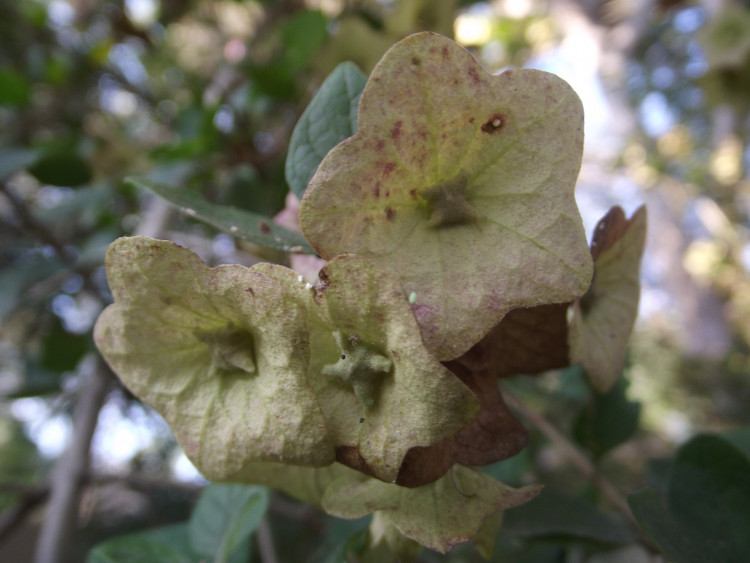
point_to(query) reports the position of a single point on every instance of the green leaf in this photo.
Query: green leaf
(176, 536)
(347, 549)
(439, 515)
(603, 318)
(247, 189)
(513, 470)
(556, 514)
(740, 439)
(62, 350)
(36, 381)
(608, 420)
(20, 461)
(707, 512)
(247, 225)
(711, 476)
(300, 37)
(13, 159)
(168, 543)
(461, 184)
(88, 202)
(212, 350)
(372, 374)
(16, 277)
(224, 517)
(15, 89)
(302, 34)
(61, 169)
(135, 549)
(330, 118)
(676, 542)
(725, 39)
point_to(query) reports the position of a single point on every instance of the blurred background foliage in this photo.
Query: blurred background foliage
(204, 94)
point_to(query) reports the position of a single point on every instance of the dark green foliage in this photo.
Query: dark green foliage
(301, 36)
(62, 350)
(236, 222)
(13, 159)
(157, 545)
(14, 88)
(608, 420)
(224, 518)
(330, 118)
(219, 530)
(705, 515)
(26, 270)
(62, 169)
(554, 514)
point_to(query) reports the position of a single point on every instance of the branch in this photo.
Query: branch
(68, 475)
(581, 462)
(33, 495)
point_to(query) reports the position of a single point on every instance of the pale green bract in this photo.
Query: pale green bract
(439, 515)
(251, 364)
(461, 185)
(604, 317)
(398, 395)
(450, 206)
(221, 353)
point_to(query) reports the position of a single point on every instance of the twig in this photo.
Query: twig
(140, 481)
(33, 495)
(578, 459)
(30, 223)
(69, 472)
(265, 542)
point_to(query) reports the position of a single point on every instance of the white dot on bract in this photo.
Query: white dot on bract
(496, 123)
